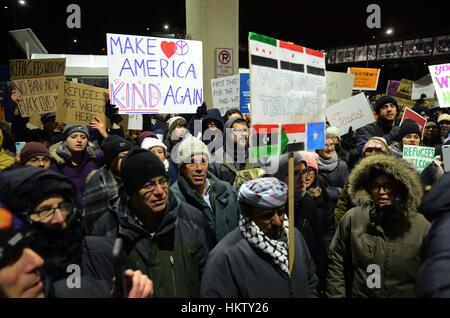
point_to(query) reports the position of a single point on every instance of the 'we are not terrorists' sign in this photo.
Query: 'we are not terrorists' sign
(154, 75)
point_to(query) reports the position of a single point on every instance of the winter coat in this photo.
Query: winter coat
(225, 214)
(235, 269)
(92, 160)
(5, 159)
(433, 276)
(100, 194)
(376, 129)
(384, 241)
(394, 150)
(335, 178)
(173, 257)
(344, 203)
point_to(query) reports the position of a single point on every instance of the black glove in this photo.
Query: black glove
(201, 111)
(111, 111)
(347, 139)
(393, 134)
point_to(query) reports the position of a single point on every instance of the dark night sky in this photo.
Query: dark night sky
(316, 24)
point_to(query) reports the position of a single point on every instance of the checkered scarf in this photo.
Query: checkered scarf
(276, 249)
(263, 192)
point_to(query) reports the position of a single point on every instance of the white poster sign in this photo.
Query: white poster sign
(339, 87)
(441, 75)
(354, 111)
(225, 93)
(149, 75)
(135, 122)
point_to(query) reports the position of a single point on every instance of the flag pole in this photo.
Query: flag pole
(291, 238)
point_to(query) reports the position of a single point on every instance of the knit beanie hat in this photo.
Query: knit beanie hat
(112, 146)
(32, 149)
(383, 101)
(311, 159)
(409, 126)
(138, 168)
(70, 129)
(145, 134)
(192, 146)
(376, 142)
(150, 142)
(443, 117)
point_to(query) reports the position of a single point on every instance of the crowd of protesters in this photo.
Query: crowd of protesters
(198, 218)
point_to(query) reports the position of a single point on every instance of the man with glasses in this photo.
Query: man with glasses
(35, 154)
(376, 249)
(164, 237)
(48, 202)
(215, 198)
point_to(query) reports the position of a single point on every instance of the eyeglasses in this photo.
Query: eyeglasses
(302, 173)
(376, 187)
(331, 146)
(47, 213)
(151, 186)
(39, 159)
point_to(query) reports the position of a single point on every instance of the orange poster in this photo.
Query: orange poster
(366, 79)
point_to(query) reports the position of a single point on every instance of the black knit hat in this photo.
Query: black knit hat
(112, 146)
(139, 167)
(409, 126)
(383, 101)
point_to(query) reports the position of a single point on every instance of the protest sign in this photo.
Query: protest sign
(392, 87)
(410, 114)
(423, 86)
(420, 156)
(404, 103)
(82, 103)
(404, 89)
(135, 121)
(339, 87)
(41, 83)
(154, 75)
(366, 79)
(441, 74)
(225, 93)
(353, 112)
(288, 86)
(244, 92)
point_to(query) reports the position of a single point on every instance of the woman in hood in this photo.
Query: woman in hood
(375, 251)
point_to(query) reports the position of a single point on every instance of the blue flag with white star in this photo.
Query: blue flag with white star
(315, 136)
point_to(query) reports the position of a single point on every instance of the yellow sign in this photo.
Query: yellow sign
(41, 84)
(82, 103)
(366, 79)
(404, 90)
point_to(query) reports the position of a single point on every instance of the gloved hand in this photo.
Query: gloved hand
(111, 111)
(347, 139)
(392, 135)
(201, 111)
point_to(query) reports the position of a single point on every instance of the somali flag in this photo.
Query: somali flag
(315, 136)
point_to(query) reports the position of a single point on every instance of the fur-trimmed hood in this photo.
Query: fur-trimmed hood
(60, 153)
(402, 171)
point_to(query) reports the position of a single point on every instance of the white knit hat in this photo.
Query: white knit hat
(170, 121)
(150, 142)
(333, 131)
(192, 146)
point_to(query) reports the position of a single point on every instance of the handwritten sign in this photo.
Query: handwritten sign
(404, 89)
(339, 87)
(135, 121)
(82, 103)
(225, 93)
(354, 111)
(41, 83)
(410, 114)
(441, 75)
(366, 79)
(404, 103)
(420, 156)
(392, 87)
(154, 75)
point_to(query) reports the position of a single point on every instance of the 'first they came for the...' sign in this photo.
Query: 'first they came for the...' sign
(149, 75)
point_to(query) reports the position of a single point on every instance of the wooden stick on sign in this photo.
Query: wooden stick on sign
(291, 239)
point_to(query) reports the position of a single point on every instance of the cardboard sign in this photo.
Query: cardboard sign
(441, 75)
(339, 87)
(149, 75)
(288, 86)
(225, 93)
(41, 83)
(354, 111)
(420, 156)
(244, 92)
(404, 89)
(366, 79)
(404, 103)
(82, 103)
(410, 114)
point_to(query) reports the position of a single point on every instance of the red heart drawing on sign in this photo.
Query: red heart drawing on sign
(168, 48)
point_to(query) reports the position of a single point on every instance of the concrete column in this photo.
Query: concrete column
(216, 24)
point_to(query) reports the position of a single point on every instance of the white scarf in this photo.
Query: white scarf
(277, 249)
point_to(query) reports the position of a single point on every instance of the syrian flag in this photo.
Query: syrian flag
(296, 134)
(263, 51)
(267, 141)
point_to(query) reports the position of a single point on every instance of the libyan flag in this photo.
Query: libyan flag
(267, 142)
